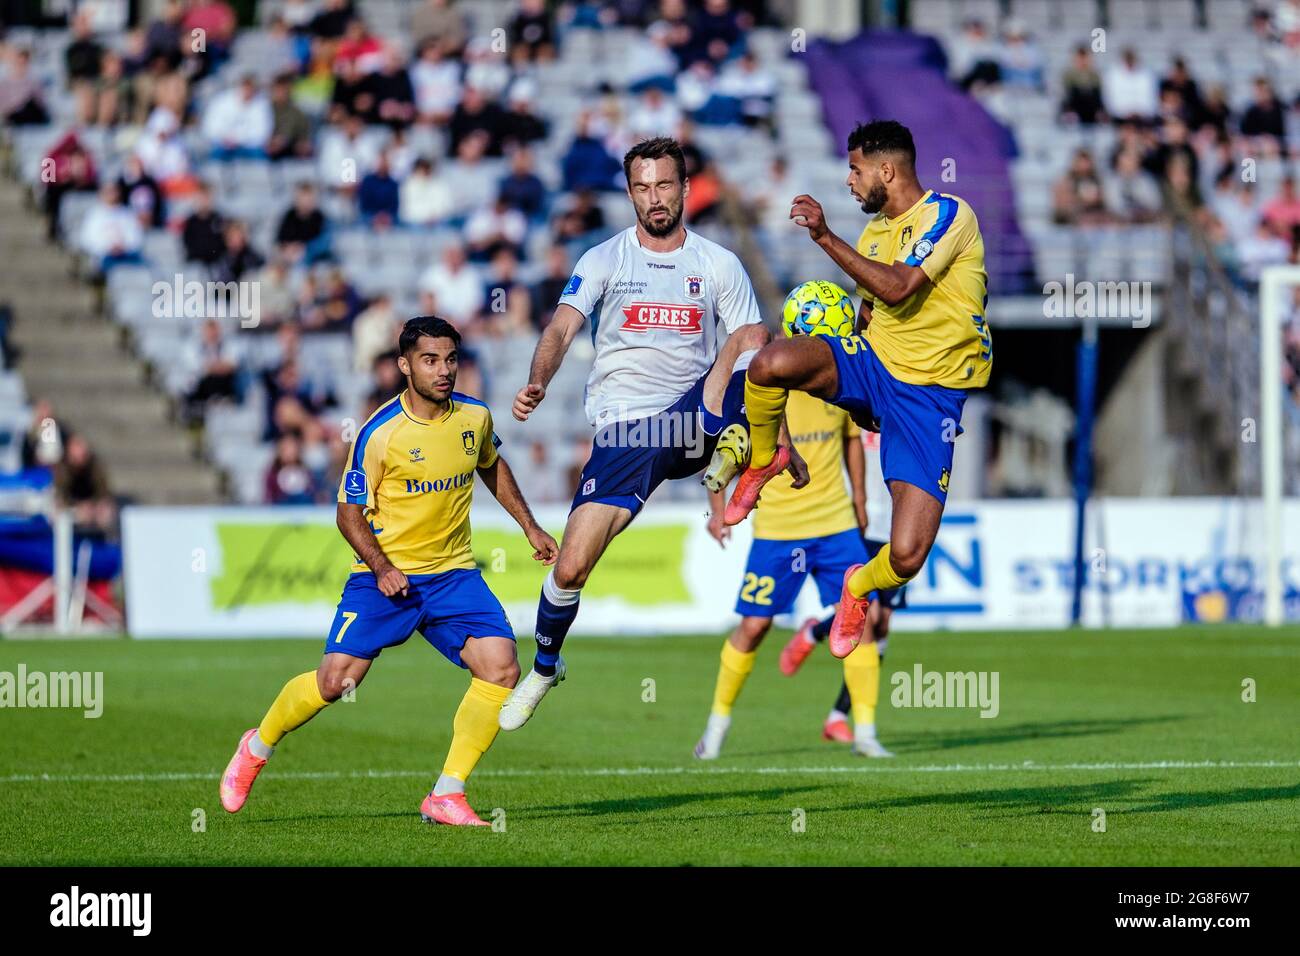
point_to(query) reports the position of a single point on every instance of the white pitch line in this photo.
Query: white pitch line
(1028, 765)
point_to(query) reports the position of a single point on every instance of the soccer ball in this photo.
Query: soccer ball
(818, 307)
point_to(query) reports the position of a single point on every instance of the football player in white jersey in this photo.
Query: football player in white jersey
(878, 516)
(663, 394)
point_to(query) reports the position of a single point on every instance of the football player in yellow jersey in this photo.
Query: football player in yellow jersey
(816, 530)
(403, 506)
(920, 268)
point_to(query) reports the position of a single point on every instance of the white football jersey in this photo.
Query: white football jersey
(654, 319)
(880, 505)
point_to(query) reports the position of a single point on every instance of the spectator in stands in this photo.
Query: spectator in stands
(1129, 90)
(346, 155)
(276, 298)
(975, 57)
(111, 94)
(335, 305)
(452, 288)
(424, 198)
(547, 289)
(163, 36)
(1265, 248)
(746, 81)
(1077, 196)
(110, 233)
(239, 258)
(1235, 207)
(1282, 212)
(332, 20)
(495, 227)
(394, 96)
(81, 484)
(1082, 83)
(351, 95)
(475, 178)
(1173, 143)
(1180, 82)
(438, 21)
(1020, 59)
(651, 64)
(164, 156)
(238, 122)
(579, 220)
(142, 194)
(358, 45)
(541, 482)
(523, 189)
(587, 164)
(374, 332)
(716, 31)
(302, 235)
(1265, 118)
(476, 114)
(1182, 193)
(435, 78)
(22, 101)
(486, 70)
(1131, 193)
(1215, 111)
(290, 127)
(531, 34)
(654, 114)
(291, 399)
(506, 315)
(81, 62)
(288, 480)
(203, 233)
(72, 169)
(216, 22)
(377, 196)
(388, 381)
(213, 362)
(520, 125)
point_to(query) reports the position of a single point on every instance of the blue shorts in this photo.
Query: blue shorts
(777, 569)
(895, 598)
(918, 423)
(447, 608)
(630, 459)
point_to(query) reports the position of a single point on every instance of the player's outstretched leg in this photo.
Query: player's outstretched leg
(590, 529)
(301, 699)
(738, 654)
(494, 671)
(802, 363)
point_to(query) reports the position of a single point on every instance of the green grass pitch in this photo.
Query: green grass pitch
(1147, 726)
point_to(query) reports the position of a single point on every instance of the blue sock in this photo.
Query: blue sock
(733, 401)
(556, 611)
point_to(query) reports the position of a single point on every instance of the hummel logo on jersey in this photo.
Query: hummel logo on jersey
(643, 316)
(415, 455)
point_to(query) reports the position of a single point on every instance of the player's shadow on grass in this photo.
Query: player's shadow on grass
(1032, 800)
(652, 803)
(1018, 733)
(1217, 798)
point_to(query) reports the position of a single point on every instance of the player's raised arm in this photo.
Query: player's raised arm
(855, 461)
(352, 523)
(890, 283)
(500, 480)
(548, 355)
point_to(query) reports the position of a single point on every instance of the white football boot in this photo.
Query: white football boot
(864, 746)
(528, 693)
(715, 732)
(730, 455)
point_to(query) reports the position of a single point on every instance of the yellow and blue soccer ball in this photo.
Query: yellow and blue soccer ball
(818, 307)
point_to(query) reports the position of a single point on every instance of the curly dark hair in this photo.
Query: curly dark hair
(883, 136)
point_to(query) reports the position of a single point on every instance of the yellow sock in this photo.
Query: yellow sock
(735, 667)
(299, 702)
(764, 406)
(474, 727)
(876, 575)
(862, 675)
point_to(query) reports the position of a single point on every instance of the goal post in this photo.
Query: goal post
(1275, 283)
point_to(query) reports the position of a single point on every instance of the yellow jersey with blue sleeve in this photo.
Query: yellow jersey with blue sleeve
(823, 507)
(938, 335)
(415, 479)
